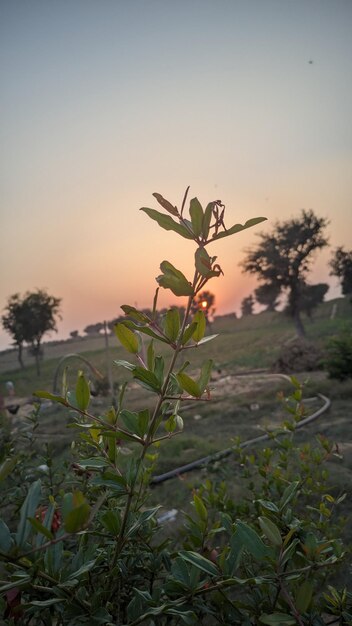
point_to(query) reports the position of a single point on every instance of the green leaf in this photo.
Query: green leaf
(172, 324)
(251, 541)
(126, 364)
(86, 567)
(200, 562)
(201, 322)
(276, 619)
(234, 557)
(166, 222)
(304, 596)
(76, 511)
(173, 279)
(112, 521)
(188, 333)
(143, 422)
(28, 509)
(46, 395)
(166, 204)
(47, 522)
(145, 330)
(45, 603)
(270, 530)
(203, 261)
(150, 356)
(170, 424)
(131, 311)
(82, 392)
(196, 213)
(289, 494)
(7, 466)
(159, 366)
(207, 219)
(18, 582)
(238, 227)
(110, 483)
(200, 508)
(146, 378)
(130, 420)
(207, 338)
(268, 505)
(127, 338)
(188, 384)
(6, 541)
(205, 374)
(94, 463)
(36, 524)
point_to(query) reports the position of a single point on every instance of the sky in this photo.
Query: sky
(104, 102)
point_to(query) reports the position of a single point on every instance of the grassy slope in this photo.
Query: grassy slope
(251, 342)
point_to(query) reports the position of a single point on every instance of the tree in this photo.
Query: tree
(29, 318)
(74, 334)
(341, 266)
(267, 294)
(284, 256)
(247, 305)
(41, 313)
(94, 329)
(311, 296)
(204, 302)
(14, 323)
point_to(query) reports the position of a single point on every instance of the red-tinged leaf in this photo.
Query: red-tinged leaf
(166, 204)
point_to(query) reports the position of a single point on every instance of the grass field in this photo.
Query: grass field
(240, 407)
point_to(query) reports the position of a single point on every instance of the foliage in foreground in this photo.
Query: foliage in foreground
(91, 551)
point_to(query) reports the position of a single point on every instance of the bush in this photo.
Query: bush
(90, 550)
(298, 355)
(339, 360)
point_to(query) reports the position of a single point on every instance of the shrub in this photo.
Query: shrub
(90, 551)
(339, 360)
(298, 355)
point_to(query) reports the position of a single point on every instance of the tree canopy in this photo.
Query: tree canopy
(29, 318)
(14, 323)
(284, 257)
(268, 294)
(247, 305)
(341, 266)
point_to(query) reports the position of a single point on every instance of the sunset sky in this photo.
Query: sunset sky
(105, 102)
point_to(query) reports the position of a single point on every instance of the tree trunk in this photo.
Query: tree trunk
(20, 352)
(37, 358)
(299, 325)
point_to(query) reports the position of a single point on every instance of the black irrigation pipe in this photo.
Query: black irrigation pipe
(217, 456)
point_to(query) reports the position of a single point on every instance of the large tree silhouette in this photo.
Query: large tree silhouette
(341, 266)
(284, 257)
(29, 318)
